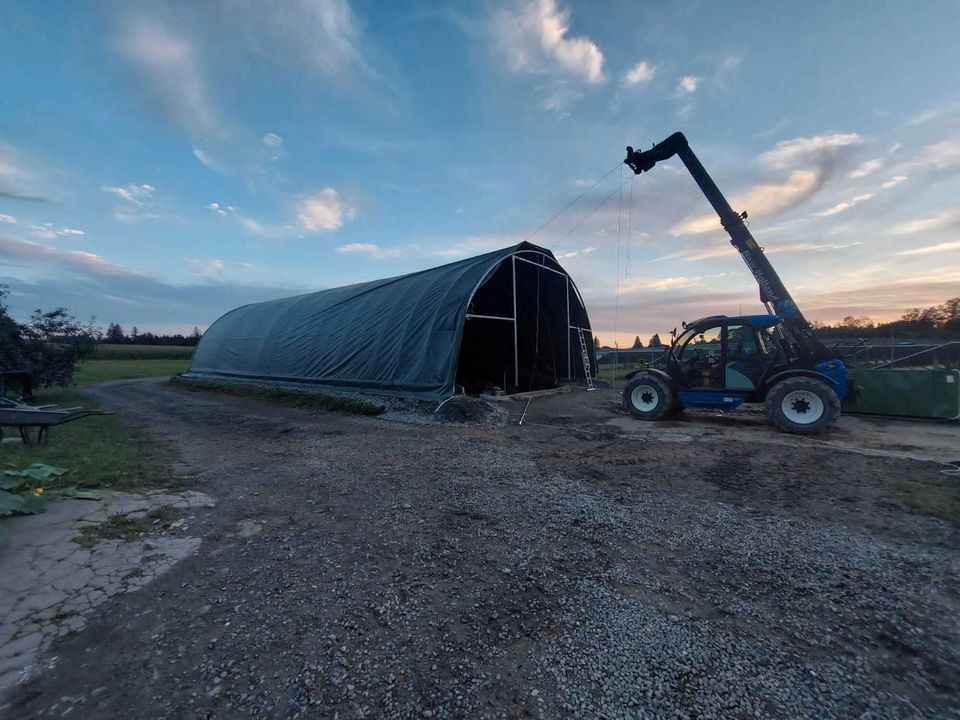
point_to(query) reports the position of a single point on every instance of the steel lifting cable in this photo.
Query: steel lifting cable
(626, 270)
(569, 204)
(588, 215)
(616, 312)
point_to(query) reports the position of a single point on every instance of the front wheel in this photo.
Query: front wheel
(803, 405)
(648, 397)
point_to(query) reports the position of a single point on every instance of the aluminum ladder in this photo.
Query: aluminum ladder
(585, 354)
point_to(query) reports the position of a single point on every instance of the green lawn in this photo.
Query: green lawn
(101, 370)
(98, 451)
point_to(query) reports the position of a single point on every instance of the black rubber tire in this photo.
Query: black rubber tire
(664, 397)
(779, 392)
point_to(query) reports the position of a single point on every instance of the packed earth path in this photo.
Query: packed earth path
(582, 564)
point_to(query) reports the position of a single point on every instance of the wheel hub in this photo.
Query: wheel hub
(802, 407)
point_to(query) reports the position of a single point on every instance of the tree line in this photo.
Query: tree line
(115, 335)
(940, 322)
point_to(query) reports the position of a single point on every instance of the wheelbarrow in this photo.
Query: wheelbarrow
(42, 417)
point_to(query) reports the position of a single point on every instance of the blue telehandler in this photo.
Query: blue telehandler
(720, 362)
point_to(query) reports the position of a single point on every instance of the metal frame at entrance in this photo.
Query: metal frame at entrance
(542, 265)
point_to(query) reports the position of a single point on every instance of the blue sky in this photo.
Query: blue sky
(161, 163)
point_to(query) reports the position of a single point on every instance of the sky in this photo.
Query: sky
(164, 162)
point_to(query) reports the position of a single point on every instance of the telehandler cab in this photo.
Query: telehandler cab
(721, 362)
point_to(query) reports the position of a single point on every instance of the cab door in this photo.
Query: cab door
(744, 360)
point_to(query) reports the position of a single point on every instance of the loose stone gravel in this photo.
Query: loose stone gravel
(359, 568)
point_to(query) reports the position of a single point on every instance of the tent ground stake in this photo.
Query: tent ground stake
(524, 411)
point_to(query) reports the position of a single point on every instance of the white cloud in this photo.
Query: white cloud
(894, 181)
(136, 194)
(633, 285)
(48, 231)
(688, 84)
(381, 253)
(639, 74)
(846, 205)
(761, 200)
(173, 76)
(588, 250)
(209, 268)
(930, 249)
(8, 219)
(788, 152)
(534, 38)
(324, 211)
(928, 224)
(867, 168)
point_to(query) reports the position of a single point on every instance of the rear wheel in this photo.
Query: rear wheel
(648, 397)
(803, 405)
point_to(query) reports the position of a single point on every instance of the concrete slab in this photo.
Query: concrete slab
(50, 582)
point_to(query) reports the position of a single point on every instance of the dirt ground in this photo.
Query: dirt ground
(582, 564)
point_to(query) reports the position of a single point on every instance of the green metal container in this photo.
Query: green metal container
(920, 393)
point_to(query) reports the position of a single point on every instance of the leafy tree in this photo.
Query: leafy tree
(115, 334)
(596, 342)
(655, 341)
(49, 346)
(637, 343)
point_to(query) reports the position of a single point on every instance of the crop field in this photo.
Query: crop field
(142, 352)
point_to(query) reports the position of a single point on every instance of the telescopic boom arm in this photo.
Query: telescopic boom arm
(772, 290)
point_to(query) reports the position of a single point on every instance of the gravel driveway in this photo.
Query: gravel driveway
(360, 567)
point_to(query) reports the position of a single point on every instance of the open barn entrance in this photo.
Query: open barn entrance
(522, 327)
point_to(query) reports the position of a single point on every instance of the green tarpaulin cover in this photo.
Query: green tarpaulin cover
(399, 336)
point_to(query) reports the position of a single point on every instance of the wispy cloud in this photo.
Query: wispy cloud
(931, 249)
(788, 152)
(894, 181)
(174, 78)
(867, 168)
(19, 176)
(932, 223)
(208, 268)
(845, 205)
(136, 194)
(324, 211)
(10, 219)
(809, 163)
(639, 74)
(534, 37)
(48, 231)
(18, 251)
(274, 145)
(375, 251)
(633, 285)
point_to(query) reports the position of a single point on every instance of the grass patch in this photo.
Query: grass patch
(303, 399)
(122, 527)
(605, 372)
(142, 352)
(97, 451)
(102, 370)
